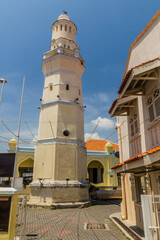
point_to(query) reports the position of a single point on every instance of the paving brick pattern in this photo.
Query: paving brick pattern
(69, 224)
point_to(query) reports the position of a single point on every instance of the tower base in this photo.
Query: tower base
(58, 194)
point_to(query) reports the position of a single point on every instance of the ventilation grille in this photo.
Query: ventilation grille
(95, 226)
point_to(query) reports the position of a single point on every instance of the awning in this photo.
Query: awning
(133, 86)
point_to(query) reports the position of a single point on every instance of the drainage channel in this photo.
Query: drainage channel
(130, 232)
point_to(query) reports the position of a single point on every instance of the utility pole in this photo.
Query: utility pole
(3, 81)
(19, 126)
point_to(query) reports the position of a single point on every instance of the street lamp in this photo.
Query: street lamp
(3, 81)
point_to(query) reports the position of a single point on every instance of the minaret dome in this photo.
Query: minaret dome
(63, 33)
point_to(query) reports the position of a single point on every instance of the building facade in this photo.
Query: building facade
(25, 163)
(102, 155)
(137, 109)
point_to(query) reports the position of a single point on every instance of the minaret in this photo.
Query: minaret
(60, 155)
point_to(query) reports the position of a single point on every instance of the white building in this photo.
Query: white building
(138, 122)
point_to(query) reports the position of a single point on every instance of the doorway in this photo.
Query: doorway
(95, 172)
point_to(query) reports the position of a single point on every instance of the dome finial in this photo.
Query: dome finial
(64, 16)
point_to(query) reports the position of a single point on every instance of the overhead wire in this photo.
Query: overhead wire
(4, 138)
(131, 131)
(51, 128)
(3, 141)
(28, 142)
(30, 130)
(111, 135)
(93, 130)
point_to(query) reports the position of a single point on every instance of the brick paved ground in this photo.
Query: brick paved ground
(69, 223)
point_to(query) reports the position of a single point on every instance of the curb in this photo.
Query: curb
(117, 215)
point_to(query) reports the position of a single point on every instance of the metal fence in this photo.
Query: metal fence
(151, 216)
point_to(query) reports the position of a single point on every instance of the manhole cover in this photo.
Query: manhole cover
(95, 226)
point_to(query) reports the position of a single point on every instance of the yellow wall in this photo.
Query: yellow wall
(24, 159)
(12, 219)
(107, 162)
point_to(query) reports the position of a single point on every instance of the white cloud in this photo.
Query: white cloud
(103, 97)
(94, 136)
(104, 123)
(97, 98)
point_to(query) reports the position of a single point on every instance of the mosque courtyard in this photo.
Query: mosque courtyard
(71, 224)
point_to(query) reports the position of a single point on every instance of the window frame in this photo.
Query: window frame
(134, 125)
(142, 189)
(151, 100)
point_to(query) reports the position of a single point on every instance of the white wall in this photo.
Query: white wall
(147, 48)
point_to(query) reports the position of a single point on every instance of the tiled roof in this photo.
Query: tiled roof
(129, 73)
(139, 156)
(98, 145)
(126, 79)
(113, 104)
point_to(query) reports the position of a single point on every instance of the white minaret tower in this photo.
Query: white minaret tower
(60, 156)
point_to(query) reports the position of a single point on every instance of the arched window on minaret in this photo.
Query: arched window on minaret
(56, 28)
(65, 27)
(61, 27)
(70, 29)
(67, 86)
(50, 87)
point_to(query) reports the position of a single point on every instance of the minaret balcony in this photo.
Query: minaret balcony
(64, 51)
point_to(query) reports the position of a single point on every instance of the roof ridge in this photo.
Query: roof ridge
(100, 140)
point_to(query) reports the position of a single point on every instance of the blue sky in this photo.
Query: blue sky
(106, 30)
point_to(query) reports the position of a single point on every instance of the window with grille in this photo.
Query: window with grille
(153, 103)
(134, 125)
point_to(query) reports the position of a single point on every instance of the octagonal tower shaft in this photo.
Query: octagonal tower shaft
(60, 155)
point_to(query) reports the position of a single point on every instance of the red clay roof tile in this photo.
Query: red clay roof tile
(125, 79)
(98, 145)
(139, 156)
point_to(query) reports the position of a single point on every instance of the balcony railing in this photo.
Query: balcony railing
(64, 51)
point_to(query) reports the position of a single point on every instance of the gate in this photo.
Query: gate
(151, 216)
